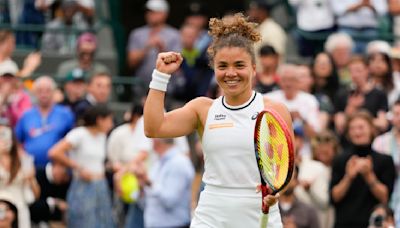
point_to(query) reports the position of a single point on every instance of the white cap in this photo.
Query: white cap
(378, 46)
(157, 5)
(8, 67)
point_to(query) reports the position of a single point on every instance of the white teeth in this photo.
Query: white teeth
(231, 82)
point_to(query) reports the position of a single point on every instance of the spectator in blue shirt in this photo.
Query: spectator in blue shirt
(45, 124)
(168, 187)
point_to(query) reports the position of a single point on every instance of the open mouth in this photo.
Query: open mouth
(232, 82)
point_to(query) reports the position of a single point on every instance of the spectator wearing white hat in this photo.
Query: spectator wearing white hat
(259, 12)
(7, 46)
(14, 101)
(147, 41)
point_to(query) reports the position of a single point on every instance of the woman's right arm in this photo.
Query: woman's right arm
(59, 153)
(178, 122)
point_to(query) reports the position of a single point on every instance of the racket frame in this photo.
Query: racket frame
(266, 187)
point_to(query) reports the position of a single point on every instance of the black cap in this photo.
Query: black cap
(197, 8)
(261, 4)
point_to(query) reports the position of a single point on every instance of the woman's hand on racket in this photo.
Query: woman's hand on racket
(270, 200)
(168, 62)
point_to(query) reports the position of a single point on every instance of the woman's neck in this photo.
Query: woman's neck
(362, 150)
(239, 99)
(93, 130)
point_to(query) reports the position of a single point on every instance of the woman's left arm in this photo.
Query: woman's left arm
(378, 189)
(35, 187)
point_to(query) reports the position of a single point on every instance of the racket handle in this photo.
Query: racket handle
(265, 191)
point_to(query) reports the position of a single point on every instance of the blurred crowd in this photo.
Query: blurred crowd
(63, 152)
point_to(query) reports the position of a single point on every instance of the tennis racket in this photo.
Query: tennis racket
(275, 155)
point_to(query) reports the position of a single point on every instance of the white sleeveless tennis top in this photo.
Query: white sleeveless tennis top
(228, 144)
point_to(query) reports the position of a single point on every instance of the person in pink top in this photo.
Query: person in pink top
(14, 101)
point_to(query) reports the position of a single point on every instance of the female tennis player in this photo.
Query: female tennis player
(225, 125)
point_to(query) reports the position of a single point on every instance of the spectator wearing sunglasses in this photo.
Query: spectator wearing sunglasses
(84, 61)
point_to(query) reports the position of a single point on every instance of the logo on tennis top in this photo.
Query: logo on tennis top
(254, 116)
(219, 117)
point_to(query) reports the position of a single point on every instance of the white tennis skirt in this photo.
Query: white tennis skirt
(232, 208)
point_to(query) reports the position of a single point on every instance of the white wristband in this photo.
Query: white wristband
(159, 80)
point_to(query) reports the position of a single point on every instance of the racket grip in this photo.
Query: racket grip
(265, 191)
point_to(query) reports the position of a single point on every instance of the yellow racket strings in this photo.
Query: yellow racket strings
(273, 151)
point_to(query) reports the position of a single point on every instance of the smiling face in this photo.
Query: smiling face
(234, 70)
(322, 66)
(359, 73)
(360, 131)
(105, 124)
(377, 65)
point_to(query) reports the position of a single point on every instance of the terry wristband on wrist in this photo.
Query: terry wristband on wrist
(159, 81)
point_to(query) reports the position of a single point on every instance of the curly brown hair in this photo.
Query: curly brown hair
(232, 31)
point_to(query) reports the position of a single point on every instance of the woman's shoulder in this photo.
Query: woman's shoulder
(202, 100)
(79, 132)
(200, 104)
(275, 105)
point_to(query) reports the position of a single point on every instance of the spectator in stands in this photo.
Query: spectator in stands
(17, 177)
(306, 81)
(14, 101)
(33, 13)
(4, 12)
(315, 20)
(306, 84)
(361, 177)
(389, 143)
(395, 58)
(51, 206)
(362, 95)
(85, 12)
(127, 143)
(267, 78)
(129, 148)
(394, 11)
(340, 46)
(314, 176)
(98, 92)
(147, 41)
(197, 16)
(325, 75)
(303, 106)
(259, 12)
(84, 151)
(74, 89)
(10, 214)
(7, 46)
(381, 74)
(195, 76)
(377, 46)
(359, 19)
(382, 216)
(64, 40)
(45, 124)
(167, 188)
(326, 85)
(294, 212)
(85, 59)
